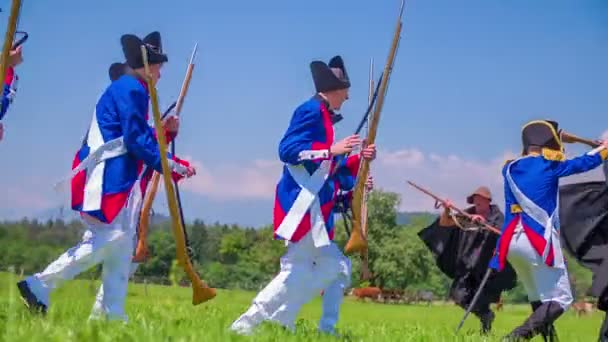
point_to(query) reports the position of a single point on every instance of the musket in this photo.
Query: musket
(23, 39)
(482, 285)
(365, 272)
(357, 241)
(9, 37)
(180, 102)
(141, 251)
(441, 202)
(571, 138)
(201, 291)
(143, 225)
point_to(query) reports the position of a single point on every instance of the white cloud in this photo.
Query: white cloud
(14, 197)
(27, 196)
(447, 175)
(408, 157)
(450, 176)
(255, 180)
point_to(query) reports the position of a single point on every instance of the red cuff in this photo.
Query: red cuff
(169, 136)
(319, 146)
(10, 74)
(352, 164)
(176, 176)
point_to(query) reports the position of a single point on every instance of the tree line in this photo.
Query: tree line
(235, 257)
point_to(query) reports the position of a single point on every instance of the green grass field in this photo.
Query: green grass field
(161, 313)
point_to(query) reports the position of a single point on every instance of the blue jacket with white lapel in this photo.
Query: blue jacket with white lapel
(537, 178)
(306, 192)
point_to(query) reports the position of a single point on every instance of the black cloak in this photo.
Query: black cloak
(464, 257)
(584, 231)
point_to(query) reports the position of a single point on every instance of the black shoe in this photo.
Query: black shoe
(539, 322)
(548, 332)
(603, 337)
(486, 322)
(29, 299)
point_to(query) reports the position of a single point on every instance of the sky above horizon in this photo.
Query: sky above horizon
(467, 76)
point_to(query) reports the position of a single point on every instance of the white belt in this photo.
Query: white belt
(111, 149)
(538, 214)
(308, 198)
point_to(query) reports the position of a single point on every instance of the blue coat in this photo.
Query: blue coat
(9, 91)
(120, 116)
(538, 179)
(304, 150)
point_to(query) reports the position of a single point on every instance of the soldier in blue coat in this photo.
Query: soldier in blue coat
(530, 234)
(107, 188)
(315, 169)
(10, 84)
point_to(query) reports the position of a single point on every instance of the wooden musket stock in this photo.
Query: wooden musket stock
(201, 291)
(365, 272)
(570, 138)
(141, 252)
(357, 241)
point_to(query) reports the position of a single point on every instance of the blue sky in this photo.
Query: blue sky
(468, 74)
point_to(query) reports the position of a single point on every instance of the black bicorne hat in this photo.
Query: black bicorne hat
(329, 77)
(116, 71)
(131, 47)
(542, 133)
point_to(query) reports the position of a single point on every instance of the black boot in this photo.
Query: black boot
(539, 322)
(30, 299)
(483, 312)
(548, 332)
(486, 320)
(604, 330)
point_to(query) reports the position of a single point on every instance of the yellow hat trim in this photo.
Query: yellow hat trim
(553, 131)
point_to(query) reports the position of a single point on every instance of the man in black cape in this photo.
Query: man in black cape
(464, 254)
(584, 228)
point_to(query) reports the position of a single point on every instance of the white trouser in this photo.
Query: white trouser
(542, 283)
(98, 307)
(108, 244)
(98, 310)
(305, 271)
(332, 299)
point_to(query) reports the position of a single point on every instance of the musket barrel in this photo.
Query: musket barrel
(357, 242)
(456, 209)
(186, 83)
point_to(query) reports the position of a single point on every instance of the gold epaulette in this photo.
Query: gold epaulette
(515, 209)
(553, 155)
(507, 162)
(604, 154)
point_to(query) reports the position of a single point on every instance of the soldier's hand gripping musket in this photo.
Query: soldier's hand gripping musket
(459, 213)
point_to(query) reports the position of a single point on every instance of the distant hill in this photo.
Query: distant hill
(405, 217)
